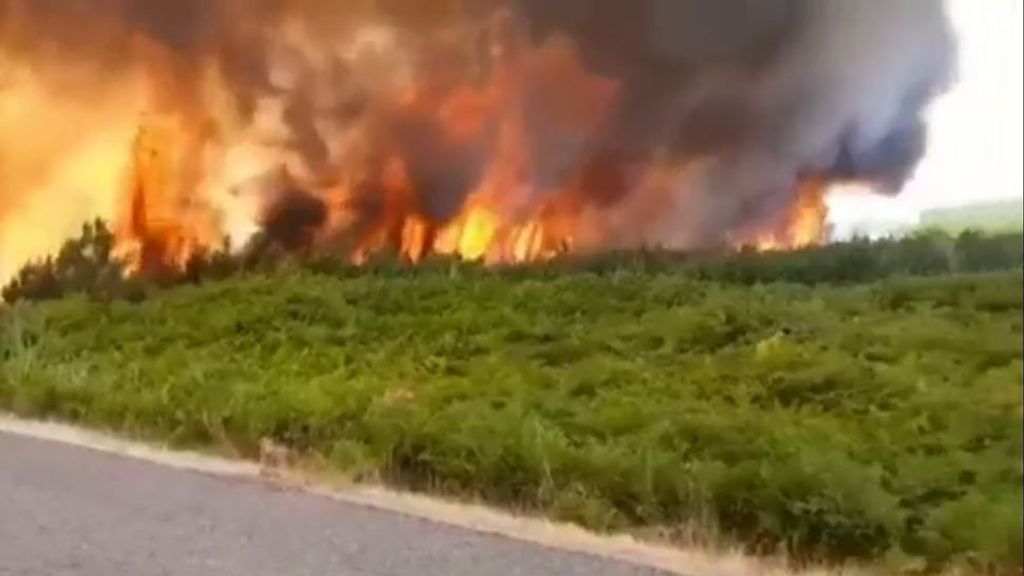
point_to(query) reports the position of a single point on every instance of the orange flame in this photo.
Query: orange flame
(506, 217)
(164, 224)
(806, 223)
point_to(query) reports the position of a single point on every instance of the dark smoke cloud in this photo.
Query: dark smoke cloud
(290, 215)
(772, 89)
(769, 91)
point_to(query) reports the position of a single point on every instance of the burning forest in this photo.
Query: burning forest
(494, 131)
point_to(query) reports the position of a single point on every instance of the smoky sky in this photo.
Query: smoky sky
(770, 90)
(808, 51)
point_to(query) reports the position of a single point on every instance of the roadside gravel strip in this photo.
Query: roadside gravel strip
(77, 502)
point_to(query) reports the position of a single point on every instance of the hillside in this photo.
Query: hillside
(873, 421)
(1006, 216)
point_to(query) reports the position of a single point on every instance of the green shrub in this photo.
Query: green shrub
(866, 422)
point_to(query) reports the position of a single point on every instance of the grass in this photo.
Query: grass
(878, 422)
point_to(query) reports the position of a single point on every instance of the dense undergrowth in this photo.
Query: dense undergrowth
(827, 418)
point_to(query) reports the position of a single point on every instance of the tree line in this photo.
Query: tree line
(87, 265)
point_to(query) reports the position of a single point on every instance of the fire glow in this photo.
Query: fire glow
(471, 138)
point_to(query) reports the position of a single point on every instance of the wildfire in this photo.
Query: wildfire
(164, 223)
(806, 222)
(495, 163)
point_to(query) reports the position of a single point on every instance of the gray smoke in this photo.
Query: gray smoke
(772, 90)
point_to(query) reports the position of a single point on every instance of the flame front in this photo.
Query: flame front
(494, 157)
(805, 224)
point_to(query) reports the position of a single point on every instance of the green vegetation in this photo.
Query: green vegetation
(992, 217)
(853, 413)
(85, 265)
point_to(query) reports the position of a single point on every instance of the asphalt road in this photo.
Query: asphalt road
(73, 511)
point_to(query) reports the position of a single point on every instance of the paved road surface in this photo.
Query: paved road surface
(71, 511)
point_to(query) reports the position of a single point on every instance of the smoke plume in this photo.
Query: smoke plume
(770, 90)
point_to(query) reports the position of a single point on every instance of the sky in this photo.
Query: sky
(976, 141)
